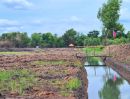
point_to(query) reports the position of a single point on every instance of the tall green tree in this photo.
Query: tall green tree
(80, 39)
(69, 37)
(25, 40)
(93, 34)
(16, 39)
(128, 34)
(48, 40)
(36, 39)
(60, 42)
(109, 15)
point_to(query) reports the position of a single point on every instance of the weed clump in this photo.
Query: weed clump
(73, 84)
(16, 80)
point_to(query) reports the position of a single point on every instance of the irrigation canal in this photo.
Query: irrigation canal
(104, 82)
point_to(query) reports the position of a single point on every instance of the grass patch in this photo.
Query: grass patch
(73, 84)
(14, 53)
(62, 86)
(93, 50)
(77, 63)
(16, 80)
(65, 93)
(48, 62)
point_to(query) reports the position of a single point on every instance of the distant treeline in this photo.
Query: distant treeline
(49, 40)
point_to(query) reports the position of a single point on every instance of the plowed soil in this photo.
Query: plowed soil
(52, 68)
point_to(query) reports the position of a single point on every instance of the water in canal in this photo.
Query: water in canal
(105, 83)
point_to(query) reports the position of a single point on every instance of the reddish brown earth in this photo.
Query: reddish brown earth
(51, 78)
(120, 59)
(119, 53)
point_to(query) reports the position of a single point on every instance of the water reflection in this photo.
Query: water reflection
(105, 83)
(111, 89)
(95, 61)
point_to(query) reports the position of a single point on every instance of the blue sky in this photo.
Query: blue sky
(55, 16)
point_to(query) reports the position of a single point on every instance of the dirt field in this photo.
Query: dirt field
(44, 74)
(120, 59)
(119, 53)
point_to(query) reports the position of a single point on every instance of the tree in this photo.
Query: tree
(36, 39)
(80, 39)
(109, 15)
(69, 37)
(11, 37)
(25, 40)
(16, 39)
(128, 34)
(92, 41)
(5, 44)
(48, 40)
(93, 34)
(60, 42)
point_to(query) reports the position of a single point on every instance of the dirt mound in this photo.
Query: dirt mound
(119, 60)
(119, 53)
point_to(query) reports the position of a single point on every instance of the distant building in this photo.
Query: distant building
(37, 47)
(71, 45)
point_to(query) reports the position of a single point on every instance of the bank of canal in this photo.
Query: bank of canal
(105, 83)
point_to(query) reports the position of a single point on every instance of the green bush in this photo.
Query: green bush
(73, 84)
(118, 41)
(92, 41)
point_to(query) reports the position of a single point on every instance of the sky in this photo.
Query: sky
(56, 16)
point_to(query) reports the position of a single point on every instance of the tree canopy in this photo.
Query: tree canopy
(49, 40)
(93, 34)
(109, 16)
(69, 37)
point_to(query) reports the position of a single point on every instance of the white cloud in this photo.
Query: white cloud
(17, 4)
(10, 29)
(9, 25)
